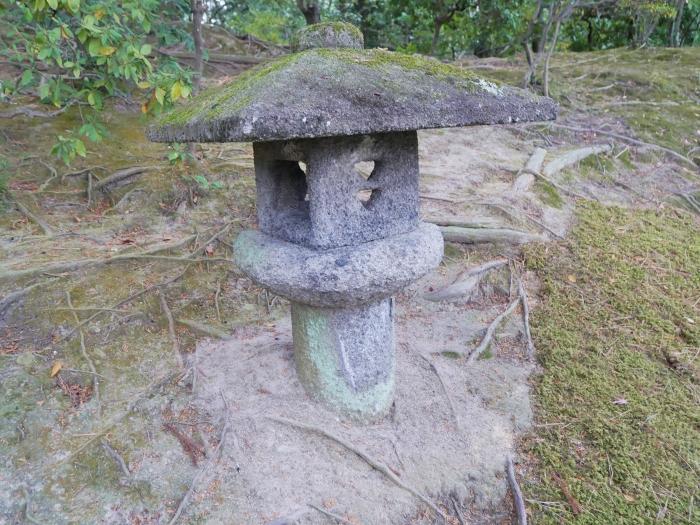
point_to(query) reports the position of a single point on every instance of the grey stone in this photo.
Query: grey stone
(309, 208)
(328, 34)
(335, 242)
(337, 92)
(345, 356)
(347, 276)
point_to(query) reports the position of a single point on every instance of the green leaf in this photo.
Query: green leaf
(26, 79)
(53, 4)
(160, 95)
(94, 47)
(80, 147)
(107, 51)
(146, 49)
(175, 91)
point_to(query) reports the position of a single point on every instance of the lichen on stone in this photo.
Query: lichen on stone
(328, 35)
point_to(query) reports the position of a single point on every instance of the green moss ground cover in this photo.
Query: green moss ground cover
(618, 337)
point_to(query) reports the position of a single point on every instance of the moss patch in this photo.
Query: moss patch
(617, 336)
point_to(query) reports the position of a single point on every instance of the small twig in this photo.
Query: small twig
(526, 319)
(330, 514)
(517, 494)
(575, 507)
(375, 464)
(171, 328)
(41, 223)
(148, 392)
(86, 356)
(458, 512)
(444, 388)
(48, 181)
(491, 331)
(116, 457)
(216, 301)
(126, 301)
(205, 469)
(89, 189)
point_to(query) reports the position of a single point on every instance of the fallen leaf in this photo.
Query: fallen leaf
(209, 250)
(571, 278)
(620, 401)
(56, 368)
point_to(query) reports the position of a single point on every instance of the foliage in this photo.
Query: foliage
(617, 334)
(85, 51)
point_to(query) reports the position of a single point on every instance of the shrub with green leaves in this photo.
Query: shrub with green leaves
(83, 51)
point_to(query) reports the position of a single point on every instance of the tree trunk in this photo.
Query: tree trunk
(550, 52)
(197, 11)
(311, 11)
(436, 36)
(674, 40)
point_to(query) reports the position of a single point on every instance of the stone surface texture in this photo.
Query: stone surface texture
(339, 92)
(340, 277)
(336, 239)
(328, 35)
(323, 209)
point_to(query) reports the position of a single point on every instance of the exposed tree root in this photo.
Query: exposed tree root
(171, 328)
(525, 177)
(671, 152)
(375, 464)
(488, 235)
(466, 282)
(518, 501)
(13, 297)
(444, 388)
(86, 356)
(29, 112)
(69, 266)
(34, 218)
(490, 331)
(561, 188)
(119, 176)
(572, 157)
(330, 514)
(526, 319)
(116, 456)
(126, 301)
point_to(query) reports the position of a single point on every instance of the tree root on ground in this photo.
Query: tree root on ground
(466, 283)
(488, 235)
(518, 501)
(48, 230)
(671, 152)
(330, 514)
(86, 356)
(205, 329)
(171, 329)
(375, 464)
(572, 157)
(490, 331)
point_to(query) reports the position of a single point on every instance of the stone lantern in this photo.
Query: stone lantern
(337, 242)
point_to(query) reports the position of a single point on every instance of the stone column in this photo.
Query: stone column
(338, 245)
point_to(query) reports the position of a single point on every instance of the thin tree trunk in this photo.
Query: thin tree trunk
(436, 36)
(676, 27)
(197, 11)
(311, 11)
(548, 57)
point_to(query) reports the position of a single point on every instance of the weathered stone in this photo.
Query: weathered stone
(309, 208)
(332, 92)
(347, 276)
(345, 356)
(329, 35)
(335, 242)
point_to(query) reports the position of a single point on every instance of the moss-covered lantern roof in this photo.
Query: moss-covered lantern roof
(343, 90)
